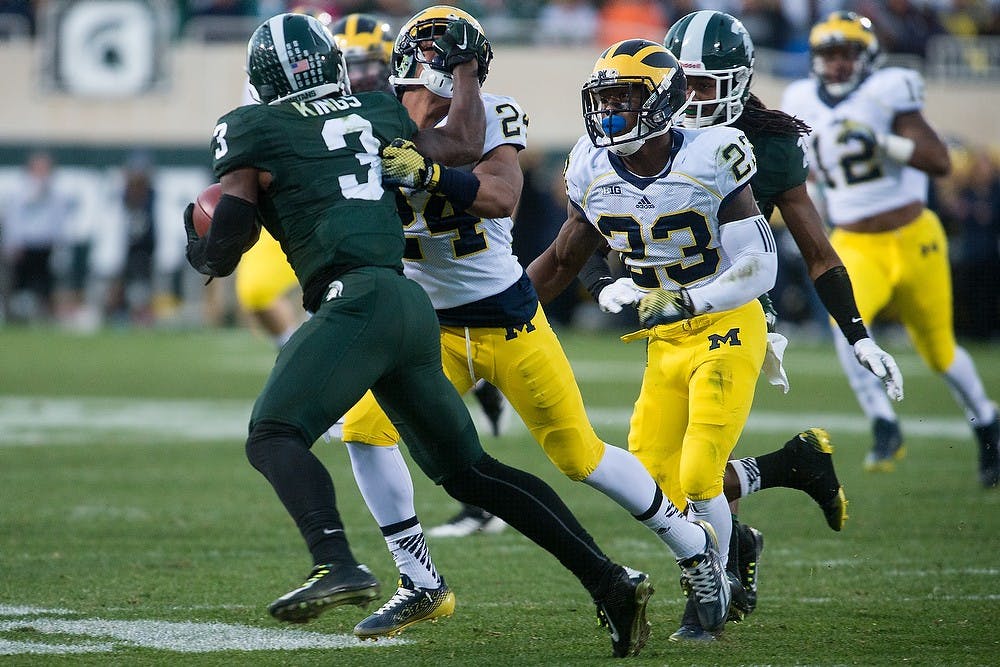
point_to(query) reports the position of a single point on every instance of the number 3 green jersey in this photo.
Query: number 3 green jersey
(326, 206)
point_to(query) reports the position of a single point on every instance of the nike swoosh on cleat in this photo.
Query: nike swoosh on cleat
(855, 320)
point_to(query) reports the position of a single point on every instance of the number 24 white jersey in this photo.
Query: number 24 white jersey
(858, 180)
(666, 227)
(456, 257)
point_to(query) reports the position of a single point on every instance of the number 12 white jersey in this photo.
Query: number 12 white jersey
(858, 180)
(665, 226)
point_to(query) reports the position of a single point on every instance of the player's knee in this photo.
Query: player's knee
(574, 454)
(266, 438)
(701, 484)
(466, 484)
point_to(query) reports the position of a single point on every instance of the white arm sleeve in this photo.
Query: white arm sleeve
(755, 265)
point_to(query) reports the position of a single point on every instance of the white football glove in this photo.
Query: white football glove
(882, 365)
(621, 292)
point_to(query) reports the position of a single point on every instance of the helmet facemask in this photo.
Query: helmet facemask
(655, 94)
(844, 32)
(366, 43)
(717, 46)
(732, 88)
(409, 66)
(861, 69)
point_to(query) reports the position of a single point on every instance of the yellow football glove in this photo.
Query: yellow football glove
(662, 306)
(404, 167)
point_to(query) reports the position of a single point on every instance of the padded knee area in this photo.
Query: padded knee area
(572, 452)
(267, 437)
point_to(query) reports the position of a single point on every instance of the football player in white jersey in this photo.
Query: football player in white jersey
(871, 151)
(458, 230)
(676, 205)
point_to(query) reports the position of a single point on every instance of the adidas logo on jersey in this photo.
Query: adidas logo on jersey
(644, 203)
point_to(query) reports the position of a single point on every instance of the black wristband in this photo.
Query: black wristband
(595, 274)
(234, 227)
(459, 187)
(835, 291)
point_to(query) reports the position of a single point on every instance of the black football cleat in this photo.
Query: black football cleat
(989, 454)
(410, 605)
(690, 629)
(751, 546)
(706, 582)
(327, 587)
(888, 447)
(812, 471)
(623, 612)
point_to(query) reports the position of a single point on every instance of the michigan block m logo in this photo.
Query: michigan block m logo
(732, 337)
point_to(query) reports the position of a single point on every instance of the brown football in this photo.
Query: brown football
(204, 208)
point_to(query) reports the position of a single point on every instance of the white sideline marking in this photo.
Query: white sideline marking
(31, 421)
(183, 637)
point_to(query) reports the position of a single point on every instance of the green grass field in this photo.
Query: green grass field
(133, 530)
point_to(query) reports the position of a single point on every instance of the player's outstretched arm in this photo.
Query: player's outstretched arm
(929, 153)
(553, 270)
(460, 140)
(833, 285)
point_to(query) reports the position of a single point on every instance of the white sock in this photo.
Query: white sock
(968, 390)
(386, 485)
(748, 473)
(412, 557)
(716, 512)
(624, 479)
(867, 388)
(384, 482)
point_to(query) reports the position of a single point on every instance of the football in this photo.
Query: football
(204, 208)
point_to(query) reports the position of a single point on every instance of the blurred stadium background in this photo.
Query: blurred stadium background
(122, 95)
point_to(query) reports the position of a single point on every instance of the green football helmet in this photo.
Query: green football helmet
(293, 57)
(715, 45)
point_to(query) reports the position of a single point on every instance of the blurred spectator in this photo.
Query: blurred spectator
(131, 296)
(630, 19)
(902, 26)
(970, 205)
(765, 20)
(20, 14)
(31, 227)
(567, 22)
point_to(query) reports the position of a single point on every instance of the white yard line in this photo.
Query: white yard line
(96, 635)
(41, 421)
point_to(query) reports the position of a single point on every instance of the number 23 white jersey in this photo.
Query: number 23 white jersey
(456, 257)
(858, 180)
(666, 226)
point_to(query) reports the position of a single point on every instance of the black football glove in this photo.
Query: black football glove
(196, 251)
(462, 43)
(404, 167)
(663, 306)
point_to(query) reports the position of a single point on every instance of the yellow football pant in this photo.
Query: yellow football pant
(263, 274)
(905, 274)
(696, 394)
(530, 368)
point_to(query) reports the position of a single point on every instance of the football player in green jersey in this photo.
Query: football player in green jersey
(307, 162)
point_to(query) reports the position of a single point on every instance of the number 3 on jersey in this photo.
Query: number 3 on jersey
(338, 133)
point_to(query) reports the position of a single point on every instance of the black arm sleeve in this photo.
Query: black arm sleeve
(835, 291)
(233, 229)
(596, 273)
